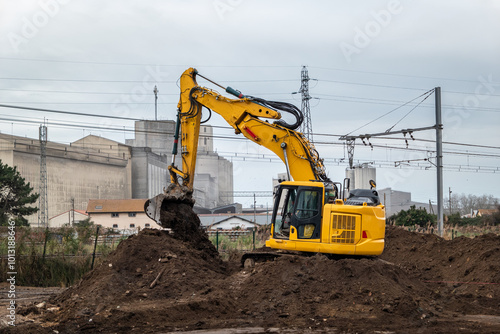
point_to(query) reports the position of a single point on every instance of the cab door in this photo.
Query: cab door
(306, 217)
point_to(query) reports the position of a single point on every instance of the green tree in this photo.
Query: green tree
(413, 216)
(15, 197)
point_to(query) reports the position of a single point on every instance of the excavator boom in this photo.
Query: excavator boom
(248, 116)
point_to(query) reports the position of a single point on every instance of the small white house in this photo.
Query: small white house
(233, 223)
(120, 214)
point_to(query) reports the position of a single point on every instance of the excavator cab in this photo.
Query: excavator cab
(297, 212)
(310, 217)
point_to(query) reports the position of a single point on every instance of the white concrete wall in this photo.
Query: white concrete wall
(158, 135)
(221, 170)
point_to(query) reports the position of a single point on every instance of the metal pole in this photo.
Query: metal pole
(156, 99)
(45, 242)
(95, 246)
(254, 209)
(72, 212)
(217, 239)
(439, 160)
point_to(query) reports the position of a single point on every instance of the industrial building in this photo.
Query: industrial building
(395, 201)
(94, 167)
(152, 153)
(91, 167)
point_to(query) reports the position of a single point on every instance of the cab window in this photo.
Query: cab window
(307, 204)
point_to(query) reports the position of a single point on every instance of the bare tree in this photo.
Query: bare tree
(466, 203)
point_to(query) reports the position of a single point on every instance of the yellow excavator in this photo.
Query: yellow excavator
(311, 213)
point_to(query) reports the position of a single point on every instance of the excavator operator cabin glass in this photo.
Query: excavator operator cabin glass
(283, 213)
(307, 204)
(307, 214)
(298, 214)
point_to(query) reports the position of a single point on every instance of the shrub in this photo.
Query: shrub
(413, 216)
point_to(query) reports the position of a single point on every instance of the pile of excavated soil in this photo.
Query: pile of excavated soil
(432, 258)
(403, 290)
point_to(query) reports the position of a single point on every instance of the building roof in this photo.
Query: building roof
(115, 205)
(234, 220)
(237, 218)
(486, 212)
(211, 219)
(77, 211)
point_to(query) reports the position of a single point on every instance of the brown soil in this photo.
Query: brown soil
(420, 284)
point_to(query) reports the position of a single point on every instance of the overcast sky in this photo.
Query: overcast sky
(365, 59)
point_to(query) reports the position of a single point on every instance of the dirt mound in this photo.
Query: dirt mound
(313, 291)
(156, 281)
(431, 258)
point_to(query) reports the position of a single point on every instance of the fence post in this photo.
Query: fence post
(217, 239)
(45, 242)
(95, 246)
(253, 245)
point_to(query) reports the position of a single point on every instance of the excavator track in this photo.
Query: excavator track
(248, 260)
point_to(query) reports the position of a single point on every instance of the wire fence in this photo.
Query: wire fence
(55, 256)
(228, 241)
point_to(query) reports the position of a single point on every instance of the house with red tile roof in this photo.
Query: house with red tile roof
(120, 214)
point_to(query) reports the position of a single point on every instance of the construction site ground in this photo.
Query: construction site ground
(156, 282)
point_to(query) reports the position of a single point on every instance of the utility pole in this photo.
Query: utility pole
(43, 213)
(439, 151)
(156, 102)
(254, 209)
(306, 127)
(72, 211)
(439, 160)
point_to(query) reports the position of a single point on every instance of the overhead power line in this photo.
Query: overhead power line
(221, 127)
(235, 66)
(393, 110)
(395, 74)
(69, 112)
(237, 138)
(141, 64)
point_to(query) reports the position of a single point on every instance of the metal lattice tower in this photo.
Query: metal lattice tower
(350, 152)
(306, 127)
(43, 213)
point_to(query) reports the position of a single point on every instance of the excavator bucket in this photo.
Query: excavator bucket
(157, 207)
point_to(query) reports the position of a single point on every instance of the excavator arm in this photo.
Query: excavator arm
(248, 116)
